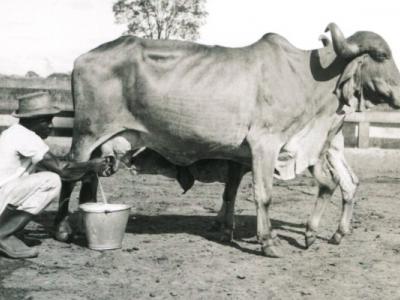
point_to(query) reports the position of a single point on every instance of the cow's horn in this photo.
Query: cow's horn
(324, 39)
(341, 46)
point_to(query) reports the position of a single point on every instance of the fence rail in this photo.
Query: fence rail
(62, 126)
(11, 88)
(387, 123)
(35, 83)
(362, 130)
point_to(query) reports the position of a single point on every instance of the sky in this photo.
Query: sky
(47, 35)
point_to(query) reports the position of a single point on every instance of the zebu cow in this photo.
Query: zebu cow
(269, 105)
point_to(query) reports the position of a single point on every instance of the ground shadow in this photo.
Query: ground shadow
(194, 224)
(200, 225)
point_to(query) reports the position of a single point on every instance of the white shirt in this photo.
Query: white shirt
(20, 150)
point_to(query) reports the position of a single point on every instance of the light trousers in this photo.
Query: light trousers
(32, 193)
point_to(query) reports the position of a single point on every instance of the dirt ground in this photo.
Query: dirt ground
(169, 252)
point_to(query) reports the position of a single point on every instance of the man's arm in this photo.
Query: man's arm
(74, 171)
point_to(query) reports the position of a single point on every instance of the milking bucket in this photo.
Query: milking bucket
(105, 224)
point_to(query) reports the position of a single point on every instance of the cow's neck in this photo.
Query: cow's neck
(326, 68)
(322, 71)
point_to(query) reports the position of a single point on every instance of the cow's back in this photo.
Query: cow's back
(188, 101)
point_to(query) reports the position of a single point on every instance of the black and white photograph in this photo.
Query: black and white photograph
(199, 149)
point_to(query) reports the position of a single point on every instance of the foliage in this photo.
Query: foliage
(31, 74)
(161, 19)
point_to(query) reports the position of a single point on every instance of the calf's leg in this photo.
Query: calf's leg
(226, 216)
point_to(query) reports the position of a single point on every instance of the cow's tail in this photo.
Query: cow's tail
(77, 136)
(69, 155)
(73, 89)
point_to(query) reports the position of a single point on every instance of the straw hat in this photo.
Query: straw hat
(35, 104)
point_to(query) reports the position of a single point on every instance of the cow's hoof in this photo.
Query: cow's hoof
(310, 238)
(64, 237)
(336, 238)
(63, 232)
(272, 251)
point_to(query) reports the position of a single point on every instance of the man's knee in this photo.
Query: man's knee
(45, 188)
(52, 186)
(51, 181)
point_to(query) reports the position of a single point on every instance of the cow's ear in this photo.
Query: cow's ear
(185, 178)
(349, 84)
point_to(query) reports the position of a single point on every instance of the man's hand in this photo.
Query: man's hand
(104, 166)
(74, 171)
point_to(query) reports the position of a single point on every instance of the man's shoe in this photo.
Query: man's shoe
(13, 247)
(13, 221)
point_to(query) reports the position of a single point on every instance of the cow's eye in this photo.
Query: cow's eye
(379, 56)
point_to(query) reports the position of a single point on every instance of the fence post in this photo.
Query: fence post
(363, 135)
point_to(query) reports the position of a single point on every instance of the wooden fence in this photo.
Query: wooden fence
(373, 129)
(11, 88)
(363, 130)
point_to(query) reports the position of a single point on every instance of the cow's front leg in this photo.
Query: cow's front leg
(327, 185)
(63, 230)
(348, 183)
(264, 150)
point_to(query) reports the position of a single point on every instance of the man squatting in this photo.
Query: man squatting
(30, 175)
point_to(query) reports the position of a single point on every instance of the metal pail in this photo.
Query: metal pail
(105, 224)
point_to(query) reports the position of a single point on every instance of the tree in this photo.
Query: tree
(31, 74)
(161, 19)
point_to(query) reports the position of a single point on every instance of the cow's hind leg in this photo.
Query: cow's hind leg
(327, 185)
(264, 150)
(63, 230)
(88, 192)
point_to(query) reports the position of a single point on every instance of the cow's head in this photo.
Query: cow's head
(371, 74)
